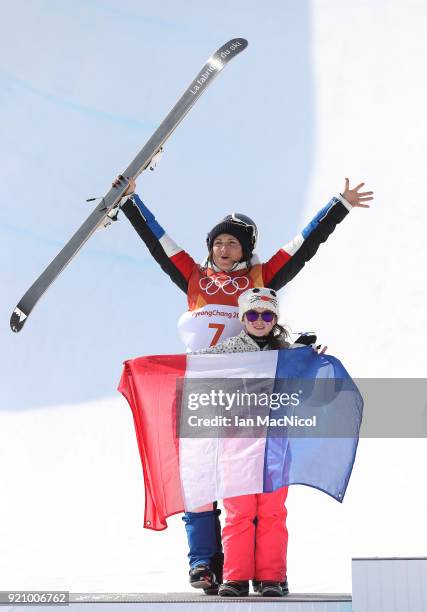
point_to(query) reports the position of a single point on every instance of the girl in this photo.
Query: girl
(212, 291)
(255, 551)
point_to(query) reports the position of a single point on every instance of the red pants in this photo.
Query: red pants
(255, 552)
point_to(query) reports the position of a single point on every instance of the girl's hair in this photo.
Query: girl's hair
(278, 337)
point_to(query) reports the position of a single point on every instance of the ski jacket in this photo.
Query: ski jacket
(212, 294)
(242, 343)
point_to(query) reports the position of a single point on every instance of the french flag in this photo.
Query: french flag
(184, 473)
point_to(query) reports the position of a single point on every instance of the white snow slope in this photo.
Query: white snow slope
(72, 509)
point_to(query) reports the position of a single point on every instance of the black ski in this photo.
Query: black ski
(143, 160)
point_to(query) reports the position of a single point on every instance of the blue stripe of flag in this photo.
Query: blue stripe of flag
(324, 463)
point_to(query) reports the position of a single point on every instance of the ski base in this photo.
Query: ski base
(148, 157)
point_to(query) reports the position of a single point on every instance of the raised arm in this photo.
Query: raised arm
(173, 260)
(292, 257)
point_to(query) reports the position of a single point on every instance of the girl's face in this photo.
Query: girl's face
(226, 251)
(259, 327)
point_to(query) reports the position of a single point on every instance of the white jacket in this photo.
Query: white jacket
(242, 343)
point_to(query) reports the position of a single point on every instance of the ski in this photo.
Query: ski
(147, 157)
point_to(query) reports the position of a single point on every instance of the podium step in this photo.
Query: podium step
(178, 602)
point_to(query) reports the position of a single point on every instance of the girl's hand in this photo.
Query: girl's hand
(132, 184)
(320, 349)
(355, 198)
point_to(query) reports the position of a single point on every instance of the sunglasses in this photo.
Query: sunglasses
(253, 315)
(239, 221)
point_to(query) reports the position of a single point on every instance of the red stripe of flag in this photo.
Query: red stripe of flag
(149, 385)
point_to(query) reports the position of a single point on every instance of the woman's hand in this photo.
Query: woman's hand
(132, 184)
(355, 198)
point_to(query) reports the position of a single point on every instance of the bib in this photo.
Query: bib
(208, 325)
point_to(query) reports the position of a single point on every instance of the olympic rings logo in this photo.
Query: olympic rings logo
(229, 285)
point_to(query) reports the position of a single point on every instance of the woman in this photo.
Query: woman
(255, 535)
(212, 291)
(213, 287)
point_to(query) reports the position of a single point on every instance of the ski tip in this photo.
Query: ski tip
(17, 320)
(229, 50)
(240, 42)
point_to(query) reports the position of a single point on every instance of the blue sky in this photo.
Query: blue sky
(83, 86)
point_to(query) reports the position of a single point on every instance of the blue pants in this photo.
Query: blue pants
(204, 539)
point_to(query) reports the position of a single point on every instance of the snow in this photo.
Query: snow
(72, 509)
(71, 481)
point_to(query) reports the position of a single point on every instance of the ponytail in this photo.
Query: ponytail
(278, 338)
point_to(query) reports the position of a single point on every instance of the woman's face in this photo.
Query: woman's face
(259, 327)
(226, 251)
